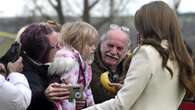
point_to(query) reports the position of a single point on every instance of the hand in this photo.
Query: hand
(3, 70)
(56, 92)
(118, 86)
(80, 104)
(17, 66)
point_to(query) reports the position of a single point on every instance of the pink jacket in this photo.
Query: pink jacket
(77, 72)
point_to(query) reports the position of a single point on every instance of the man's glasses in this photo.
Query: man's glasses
(122, 28)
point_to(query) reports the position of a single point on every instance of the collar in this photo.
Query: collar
(164, 44)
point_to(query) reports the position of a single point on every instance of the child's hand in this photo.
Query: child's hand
(80, 104)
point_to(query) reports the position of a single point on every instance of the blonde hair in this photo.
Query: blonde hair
(54, 25)
(79, 34)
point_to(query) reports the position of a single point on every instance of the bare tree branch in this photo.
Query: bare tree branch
(86, 16)
(87, 8)
(110, 17)
(52, 4)
(102, 22)
(93, 4)
(58, 9)
(176, 5)
(113, 11)
(123, 5)
(114, 8)
(69, 7)
(40, 10)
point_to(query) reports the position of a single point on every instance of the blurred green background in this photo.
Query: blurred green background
(5, 41)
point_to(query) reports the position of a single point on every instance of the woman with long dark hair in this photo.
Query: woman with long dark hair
(161, 70)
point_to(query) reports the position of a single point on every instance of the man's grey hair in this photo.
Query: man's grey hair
(104, 36)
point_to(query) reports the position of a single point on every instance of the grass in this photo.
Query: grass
(7, 35)
(7, 39)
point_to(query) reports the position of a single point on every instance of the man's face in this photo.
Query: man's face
(114, 47)
(53, 40)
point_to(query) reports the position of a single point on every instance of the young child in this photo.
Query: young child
(72, 62)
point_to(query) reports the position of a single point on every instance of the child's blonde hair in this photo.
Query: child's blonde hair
(79, 34)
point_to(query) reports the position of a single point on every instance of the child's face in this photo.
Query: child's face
(89, 52)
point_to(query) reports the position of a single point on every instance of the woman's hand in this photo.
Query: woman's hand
(56, 92)
(80, 104)
(17, 66)
(3, 70)
(118, 86)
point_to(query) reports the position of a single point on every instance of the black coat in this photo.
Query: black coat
(38, 81)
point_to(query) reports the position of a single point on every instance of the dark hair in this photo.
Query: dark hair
(35, 43)
(156, 21)
(189, 49)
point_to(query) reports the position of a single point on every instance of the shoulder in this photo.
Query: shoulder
(64, 52)
(65, 61)
(147, 51)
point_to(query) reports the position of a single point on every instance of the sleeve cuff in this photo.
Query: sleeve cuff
(15, 77)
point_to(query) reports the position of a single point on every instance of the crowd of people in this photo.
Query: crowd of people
(54, 67)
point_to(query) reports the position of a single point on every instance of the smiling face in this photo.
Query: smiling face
(114, 48)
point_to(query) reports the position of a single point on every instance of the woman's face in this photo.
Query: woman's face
(53, 41)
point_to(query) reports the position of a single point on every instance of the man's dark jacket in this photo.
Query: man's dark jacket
(98, 67)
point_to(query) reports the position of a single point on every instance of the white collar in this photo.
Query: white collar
(164, 44)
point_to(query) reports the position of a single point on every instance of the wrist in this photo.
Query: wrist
(3, 70)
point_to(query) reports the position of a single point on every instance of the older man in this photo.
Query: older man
(112, 56)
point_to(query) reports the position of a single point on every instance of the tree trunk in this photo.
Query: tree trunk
(86, 16)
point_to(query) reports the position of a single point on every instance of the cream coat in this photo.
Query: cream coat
(147, 86)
